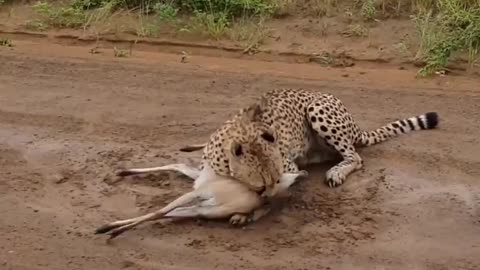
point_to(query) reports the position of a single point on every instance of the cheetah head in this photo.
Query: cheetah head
(253, 154)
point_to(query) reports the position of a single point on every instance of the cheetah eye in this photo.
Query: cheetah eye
(268, 137)
(238, 150)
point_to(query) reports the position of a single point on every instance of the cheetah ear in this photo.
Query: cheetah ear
(236, 149)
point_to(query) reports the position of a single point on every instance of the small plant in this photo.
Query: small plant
(231, 8)
(355, 30)
(6, 42)
(427, 32)
(402, 47)
(60, 17)
(148, 29)
(250, 33)
(120, 52)
(36, 25)
(89, 4)
(166, 12)
(368, 10)
(100, 15)
(283, 8)
(213, 24)
(323, 7)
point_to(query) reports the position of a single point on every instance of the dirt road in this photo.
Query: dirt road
(68, 119)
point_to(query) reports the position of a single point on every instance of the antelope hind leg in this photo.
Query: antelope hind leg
(117, 227)
(204, 211)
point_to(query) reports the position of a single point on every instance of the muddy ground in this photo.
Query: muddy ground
(68, 119)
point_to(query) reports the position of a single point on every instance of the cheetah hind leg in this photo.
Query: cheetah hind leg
(322, 120)
(184, 169)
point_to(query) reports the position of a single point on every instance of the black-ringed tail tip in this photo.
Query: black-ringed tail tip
(431, 119)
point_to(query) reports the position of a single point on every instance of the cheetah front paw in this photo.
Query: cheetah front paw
(240, 219)
(335, 178)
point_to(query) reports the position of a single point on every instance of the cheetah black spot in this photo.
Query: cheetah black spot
(313, 119)
(310, 109)
(342, 150)
(321, 112)
(320, 119)
(323, 128)
(328, 138)
(336, 143)
(334, 131)
(329, 122)
(395, 125)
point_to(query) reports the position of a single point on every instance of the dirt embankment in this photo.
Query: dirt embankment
(341, 39)
(69, 118)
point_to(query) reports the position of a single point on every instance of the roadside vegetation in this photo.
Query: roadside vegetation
(445, 29)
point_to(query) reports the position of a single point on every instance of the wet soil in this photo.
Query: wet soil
(69, 118)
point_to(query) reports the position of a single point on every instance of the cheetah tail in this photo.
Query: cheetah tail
(425, 121)
(193, 147)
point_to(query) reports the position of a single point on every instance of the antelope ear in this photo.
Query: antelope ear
(252, 112)
(236, 149)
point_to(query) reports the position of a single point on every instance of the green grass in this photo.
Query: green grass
(212, 18)
(445, 28)
(453, 30)
(368, 10)
(212, 24)
(63, 17)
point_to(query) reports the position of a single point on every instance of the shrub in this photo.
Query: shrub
(457, 29)
(60, 17)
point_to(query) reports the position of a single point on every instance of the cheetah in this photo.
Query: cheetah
(308, 124)
(267, 142)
